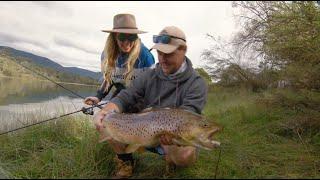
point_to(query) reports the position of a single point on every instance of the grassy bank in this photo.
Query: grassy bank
(273, 134)
(265, 136)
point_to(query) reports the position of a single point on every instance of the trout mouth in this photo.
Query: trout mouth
(206, 140)
(212, 132)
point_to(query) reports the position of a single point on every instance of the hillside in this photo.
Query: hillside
(47, 63)
(10, 66)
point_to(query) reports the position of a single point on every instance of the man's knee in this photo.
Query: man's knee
(184, 157)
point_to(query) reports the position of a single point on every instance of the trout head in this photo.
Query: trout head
(199, 134)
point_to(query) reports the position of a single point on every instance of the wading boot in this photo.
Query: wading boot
(170, 169)
(124, 169)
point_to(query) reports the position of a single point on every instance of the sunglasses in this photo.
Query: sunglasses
(130, 37)
(164, 39)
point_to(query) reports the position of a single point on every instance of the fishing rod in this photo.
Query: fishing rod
(215, 174)
(88, 110)
(74, 93)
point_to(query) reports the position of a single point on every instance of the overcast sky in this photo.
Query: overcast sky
(69, 33)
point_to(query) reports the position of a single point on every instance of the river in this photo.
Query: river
(26, 101)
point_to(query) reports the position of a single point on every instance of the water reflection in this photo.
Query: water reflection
(17, 91)
(18, 115)
(25, 101)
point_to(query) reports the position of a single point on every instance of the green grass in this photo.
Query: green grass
(273, 134)
(254, 146)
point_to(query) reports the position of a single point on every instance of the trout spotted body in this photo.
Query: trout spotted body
(144, 129)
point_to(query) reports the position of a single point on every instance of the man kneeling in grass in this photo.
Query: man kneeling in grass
(173, 83)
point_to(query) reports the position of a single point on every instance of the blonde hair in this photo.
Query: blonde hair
(111, 53)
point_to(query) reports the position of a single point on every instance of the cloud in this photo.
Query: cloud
(72, 44)
(52, 6)
(70, 32)
(46, 4)
(12, 39)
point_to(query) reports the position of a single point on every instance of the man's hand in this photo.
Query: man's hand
(98, 118)
(91, 100)
(166, 139)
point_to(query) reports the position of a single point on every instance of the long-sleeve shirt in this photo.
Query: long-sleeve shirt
(186, 90)
(145, 61)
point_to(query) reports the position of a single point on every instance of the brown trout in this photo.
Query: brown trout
(144, 129)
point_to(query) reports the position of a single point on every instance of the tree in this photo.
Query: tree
(293, 37)
(227, 65)
(281, 39)
(204, 75)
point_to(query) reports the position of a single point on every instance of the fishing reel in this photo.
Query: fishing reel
(88, 111)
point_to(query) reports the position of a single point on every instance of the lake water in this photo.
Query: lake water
(26, 101)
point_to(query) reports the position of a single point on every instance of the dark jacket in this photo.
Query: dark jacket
(186, 90)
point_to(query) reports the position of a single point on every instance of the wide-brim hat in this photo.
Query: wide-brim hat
(124, 23)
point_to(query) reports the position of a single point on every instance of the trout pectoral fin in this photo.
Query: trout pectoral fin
(132, 148)
(141, 149)
(103, 137)
(180, 141)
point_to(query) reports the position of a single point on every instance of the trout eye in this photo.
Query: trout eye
(204, 125)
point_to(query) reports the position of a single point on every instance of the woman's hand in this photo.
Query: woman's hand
(91, 100)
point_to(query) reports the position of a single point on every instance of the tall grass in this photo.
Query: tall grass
(260, 139)
(254, 146)
(63, 149)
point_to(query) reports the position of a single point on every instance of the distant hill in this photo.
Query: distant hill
(45, 62)
(84, 72)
